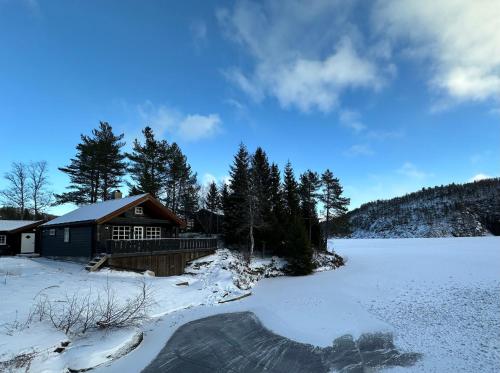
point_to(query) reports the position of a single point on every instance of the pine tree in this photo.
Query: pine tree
(111, 164)
(334, 203)
(148, 164)
(97, 168)
(83, 175)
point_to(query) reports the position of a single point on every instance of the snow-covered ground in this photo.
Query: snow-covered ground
(439, 297)
(24, 281)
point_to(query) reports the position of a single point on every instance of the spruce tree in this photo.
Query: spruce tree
(298, 248)
(189, 193)
(225, 207)
(238, 202)
(212, 204)
(310, 183)
(212, 198)
(260, 208)
(334, 203)
(277, 226)
(180, 184)
(148, 164)
(290, 192)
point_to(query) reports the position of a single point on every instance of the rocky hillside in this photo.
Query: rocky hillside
(471, 209)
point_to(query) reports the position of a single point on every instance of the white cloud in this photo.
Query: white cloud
(480, 177)
(300, 57)
(208, 178)
(190, 127)
(359, 149)
(351, 119)
(198, 30)
(410, 170)
(196, 127)
(385, 135)
(459, 38)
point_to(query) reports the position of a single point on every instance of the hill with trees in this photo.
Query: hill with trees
(461, 210)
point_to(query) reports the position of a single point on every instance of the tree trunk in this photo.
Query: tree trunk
(252, 241)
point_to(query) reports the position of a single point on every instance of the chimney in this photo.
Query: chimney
(117, 194)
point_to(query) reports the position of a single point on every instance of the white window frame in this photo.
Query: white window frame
(66, 235)
(138, 233)
(120, 232)
(52, 232)
(139, 210)
(3, 239)
(153, 233)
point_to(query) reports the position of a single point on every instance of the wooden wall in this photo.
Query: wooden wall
(162, 264)
(79, 245)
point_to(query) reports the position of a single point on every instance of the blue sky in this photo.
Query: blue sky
(392, 96)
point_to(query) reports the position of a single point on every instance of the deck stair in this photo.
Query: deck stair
(96, 263)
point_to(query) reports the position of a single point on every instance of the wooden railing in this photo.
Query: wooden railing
(159, 245)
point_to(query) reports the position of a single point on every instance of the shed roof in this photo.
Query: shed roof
(13, 225)
(102, 211)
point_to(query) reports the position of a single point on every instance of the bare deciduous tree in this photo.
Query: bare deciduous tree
(17, 192)
(38, 181)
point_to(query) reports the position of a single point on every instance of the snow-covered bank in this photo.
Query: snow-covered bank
(24, 281)
(213, 280)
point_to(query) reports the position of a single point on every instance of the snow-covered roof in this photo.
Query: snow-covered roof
(12, 225)
(94, 211)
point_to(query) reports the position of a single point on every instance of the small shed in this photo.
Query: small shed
(19, 236)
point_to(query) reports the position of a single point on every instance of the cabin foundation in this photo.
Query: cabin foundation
(171, 263)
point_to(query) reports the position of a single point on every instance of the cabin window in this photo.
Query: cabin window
(3, 240)
(138, 233)
(66, 234)
(52, 232)
(139, 211)
(153, 232)
(121, 232)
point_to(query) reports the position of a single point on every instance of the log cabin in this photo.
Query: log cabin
(137, 233)
(87, 231)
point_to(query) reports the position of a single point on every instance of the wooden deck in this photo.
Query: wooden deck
(161, 245)
(165, 256)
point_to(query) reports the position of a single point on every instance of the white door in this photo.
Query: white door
(138, 233)
(27, 243)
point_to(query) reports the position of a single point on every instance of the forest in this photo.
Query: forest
(470, 209)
